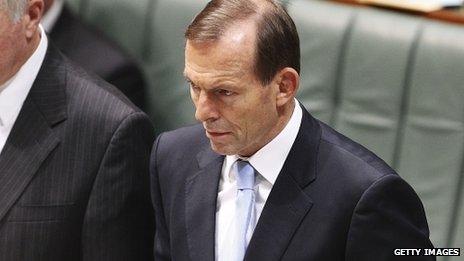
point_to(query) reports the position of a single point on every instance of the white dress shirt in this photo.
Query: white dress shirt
(268, 161)
(51, 16)
(14, 92)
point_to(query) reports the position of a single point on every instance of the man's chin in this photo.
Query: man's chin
(221, 149)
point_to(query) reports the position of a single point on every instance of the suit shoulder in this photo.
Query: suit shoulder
(174, 154)
(354, 173)
(186, 139)
(73, 36)
(89, 95)
(352, 159)
(180, 145)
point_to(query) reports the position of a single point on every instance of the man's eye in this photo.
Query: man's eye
(194, 87)
(225, 92)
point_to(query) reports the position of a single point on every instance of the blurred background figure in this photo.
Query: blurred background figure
(96, 53)
(74, 154)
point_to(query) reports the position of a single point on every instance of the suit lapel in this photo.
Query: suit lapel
(287, 204)
(32, 138)
(200, 207)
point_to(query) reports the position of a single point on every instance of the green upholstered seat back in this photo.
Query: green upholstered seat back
(169, 93)
(323, 41)
(151, 31)
(75, 4)
(394, 83)
(431, 146)
(123, 20)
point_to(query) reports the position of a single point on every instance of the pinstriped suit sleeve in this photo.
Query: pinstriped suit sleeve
(118, 221)
(161, 245)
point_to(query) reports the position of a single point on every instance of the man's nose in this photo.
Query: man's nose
(206, 109)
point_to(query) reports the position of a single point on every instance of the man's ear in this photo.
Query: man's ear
(288, 81)
(33, 14)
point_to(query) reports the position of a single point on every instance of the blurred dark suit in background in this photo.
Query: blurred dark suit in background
(74, 154)
(93, 51)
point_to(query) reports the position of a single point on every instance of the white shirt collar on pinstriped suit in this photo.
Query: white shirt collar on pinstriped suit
(14, 92)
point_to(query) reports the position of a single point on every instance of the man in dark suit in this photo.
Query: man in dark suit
(74, 154)
(262, 179)
(92, 50)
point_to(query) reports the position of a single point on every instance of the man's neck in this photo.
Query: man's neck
(22, 57)
(285, 113)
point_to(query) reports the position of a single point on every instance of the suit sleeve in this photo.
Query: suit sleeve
(118, 222)
(162, 249)
(129, 80)
(389, 215)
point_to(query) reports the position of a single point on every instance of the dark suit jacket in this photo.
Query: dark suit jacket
(89, 48)
(333, 200)
(74, 172)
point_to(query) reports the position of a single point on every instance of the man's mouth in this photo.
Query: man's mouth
(216, 133)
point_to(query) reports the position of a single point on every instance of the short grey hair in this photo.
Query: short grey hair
(16, 8)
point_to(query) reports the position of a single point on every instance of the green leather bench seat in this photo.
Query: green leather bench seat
(153, 32)
(395, 83)
(433, 134)
(125, 21)
(390, 81)
(169, 95)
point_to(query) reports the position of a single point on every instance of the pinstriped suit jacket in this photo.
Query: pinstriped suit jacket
(74, 172)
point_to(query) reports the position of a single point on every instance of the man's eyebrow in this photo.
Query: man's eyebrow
(187, 78)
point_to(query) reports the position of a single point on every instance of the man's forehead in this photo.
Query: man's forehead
(232, 48)
(219, 54)
(3, 11)
(197, 74)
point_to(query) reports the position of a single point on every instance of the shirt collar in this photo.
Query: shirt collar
(3, 86)
(51, 16)
(269, 160)
(2, 112)
(14, 92)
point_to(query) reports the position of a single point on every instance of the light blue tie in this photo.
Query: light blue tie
(244, 207)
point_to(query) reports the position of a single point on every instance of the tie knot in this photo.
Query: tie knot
(245, 175)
